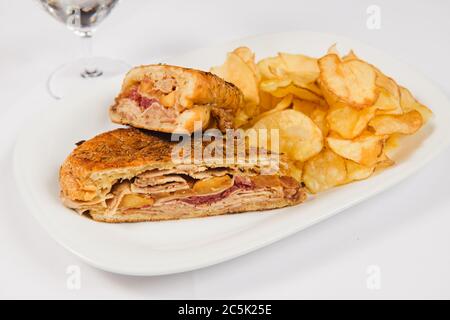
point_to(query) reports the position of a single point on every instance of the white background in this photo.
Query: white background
(404, 232)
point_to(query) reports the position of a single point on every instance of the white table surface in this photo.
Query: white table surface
(404, 232)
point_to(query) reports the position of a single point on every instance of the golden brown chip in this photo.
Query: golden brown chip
(280, 106)
(300, 68)
(236, 71)
(388, 101)
(299, 92)
(270, 68)
(295, 169)
(324, 171)
(271, 85)
(384, 162)
(313, 87)
(349, 122)
(319, 116)
(300, 137)
(333, 50)
(364, 149)
(316, 112)
(350, 56)
(304, 106)
(356, 171)
(248, 57)
(265, 101)
(392, 142)
(407, 123)
(351, 82)
(409, 103)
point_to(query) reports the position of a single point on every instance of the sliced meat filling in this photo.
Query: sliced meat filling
(148, 108)
(182, 187)
(119, 191)
(158, 99)
(148, 180)
(211, 187)
(240, 183)
(286, 187)
(217, 190)
(159, 184)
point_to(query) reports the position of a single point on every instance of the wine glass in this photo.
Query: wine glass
(82, 17)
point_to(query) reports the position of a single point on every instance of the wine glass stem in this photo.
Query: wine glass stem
(90, 70)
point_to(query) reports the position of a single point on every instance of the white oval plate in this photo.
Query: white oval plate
(175, 246)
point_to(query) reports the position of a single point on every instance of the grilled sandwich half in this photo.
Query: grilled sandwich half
(171, 99)
(129, 175)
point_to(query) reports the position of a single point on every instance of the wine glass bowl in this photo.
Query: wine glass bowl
(81, 16)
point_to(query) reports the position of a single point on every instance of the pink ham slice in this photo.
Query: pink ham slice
(151, 107)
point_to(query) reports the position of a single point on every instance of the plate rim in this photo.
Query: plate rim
(26, 197)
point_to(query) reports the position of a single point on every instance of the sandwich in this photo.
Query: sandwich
(130, 175)
(172, 99)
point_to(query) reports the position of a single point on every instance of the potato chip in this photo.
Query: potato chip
(300, 68)
(384, 161)
(324, 171)
(300, 137)
(349, 122)
(333, 50)
(352, 82)
(265, 101)
(248, 57)
(270, 68)
(286, 64)
(356, 171)
(313, 87)
(295, 170)
(304, 106)
(316, 112)
(319, 116)
(350, 56)
(408, 103)
(276, 101)
(236, 71)
(407, 123)
(388, 101)
(392, 142)
(364, 149)
(272, 85)
(283, 104)
(299, 92)
(245, 54)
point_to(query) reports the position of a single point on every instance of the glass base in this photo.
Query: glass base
(83, 71)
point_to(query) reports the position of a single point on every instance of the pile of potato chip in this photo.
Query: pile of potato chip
(336, 115)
